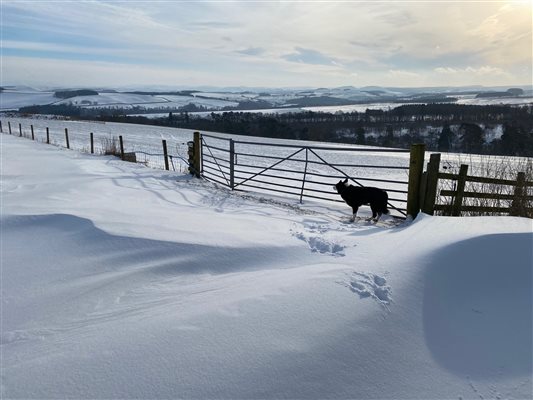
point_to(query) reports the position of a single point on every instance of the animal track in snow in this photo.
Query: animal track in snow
(321, 245)
(370, 285)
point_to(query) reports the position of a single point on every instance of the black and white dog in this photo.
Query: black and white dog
(355, 197)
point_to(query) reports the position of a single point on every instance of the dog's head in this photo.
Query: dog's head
(339, 187)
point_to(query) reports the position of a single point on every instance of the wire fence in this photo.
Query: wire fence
(140, 149)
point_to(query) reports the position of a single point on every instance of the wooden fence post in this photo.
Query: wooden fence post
(432, 180)
(231, 164)
(20, 130)
(92, 143)
(66, 138)
(460, 190)
(165, 154)
(190, 153)
(197, 154)
(416, 167)
(32, 135)
(47, 136)
(9, 126)
(121, 147)
(518, 206)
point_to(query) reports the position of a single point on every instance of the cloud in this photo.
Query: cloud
(316, 44)
(400, 17)
(480, 71)
(402, 74)
(446, 70)
(309, 56)
(482, 75)
(209, 25)
(252, 51)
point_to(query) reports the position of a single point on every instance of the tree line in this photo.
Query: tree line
(491, 129)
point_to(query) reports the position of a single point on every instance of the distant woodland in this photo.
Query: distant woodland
(67, 94)
(495, 129)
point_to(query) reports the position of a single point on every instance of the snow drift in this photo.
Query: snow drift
(123, 282)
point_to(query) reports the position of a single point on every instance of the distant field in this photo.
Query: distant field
(319, 100)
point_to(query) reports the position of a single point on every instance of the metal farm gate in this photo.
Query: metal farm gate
(302, 171)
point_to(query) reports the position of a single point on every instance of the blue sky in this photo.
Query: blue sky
(266, 43)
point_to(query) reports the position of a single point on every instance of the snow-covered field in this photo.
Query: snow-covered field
(328, 109)
(120, 281)
(12, 100)
(361, 108)
(137, 138)
(14, 97)
(495, 101)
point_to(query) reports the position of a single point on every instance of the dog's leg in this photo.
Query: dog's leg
(375, 215)
(354, 215)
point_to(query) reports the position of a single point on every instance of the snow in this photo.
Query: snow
(13, 100)
(327, 109)
(120, 281)
(143, 101)
(111, 98)
(14, 97)
(517, 101)
(138, 138)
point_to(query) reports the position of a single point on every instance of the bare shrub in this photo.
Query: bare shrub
(490, 195)
(110, 146)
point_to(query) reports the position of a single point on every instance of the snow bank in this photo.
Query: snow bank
(124, 282)
(477, 305)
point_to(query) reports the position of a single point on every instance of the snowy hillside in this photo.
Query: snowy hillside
(345, 98)
(145, 102)
(120, 281)
(13, 100)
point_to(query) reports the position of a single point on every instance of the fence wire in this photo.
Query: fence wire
(145, 152)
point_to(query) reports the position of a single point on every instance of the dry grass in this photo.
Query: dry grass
(110, 146)
(495, 167)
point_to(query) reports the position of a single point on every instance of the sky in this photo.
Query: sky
(266, 43)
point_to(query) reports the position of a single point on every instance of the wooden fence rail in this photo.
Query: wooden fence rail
(475, 195)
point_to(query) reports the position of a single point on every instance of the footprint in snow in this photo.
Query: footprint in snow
(321, 245)
(370, 285)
